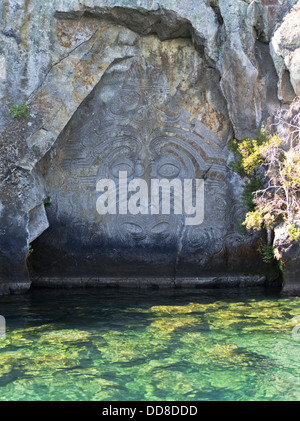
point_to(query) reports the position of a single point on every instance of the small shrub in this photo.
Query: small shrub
(293, 232)
(47, 201)
(266, 251)
(19, 110)
(250, 187)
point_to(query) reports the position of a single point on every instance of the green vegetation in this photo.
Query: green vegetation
(294, 232)
(247, 154)
(246, 163)
(271, 165)
(19, 110)
(47, 201)
(266, 251)
(238, 348)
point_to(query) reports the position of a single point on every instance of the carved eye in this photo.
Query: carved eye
(135, 231)
(168, 170)
(122, 166)
(133, 228)
(159, 228)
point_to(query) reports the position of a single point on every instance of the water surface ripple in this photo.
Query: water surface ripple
(123, 345)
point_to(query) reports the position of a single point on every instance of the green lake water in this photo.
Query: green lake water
(150, 345)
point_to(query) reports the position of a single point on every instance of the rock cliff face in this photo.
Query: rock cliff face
(288, 251)
(155, 89)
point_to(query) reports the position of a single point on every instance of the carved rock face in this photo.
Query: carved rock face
(131, 123)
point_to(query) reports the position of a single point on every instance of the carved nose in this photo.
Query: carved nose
(139, 169)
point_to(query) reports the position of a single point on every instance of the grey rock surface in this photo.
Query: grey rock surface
(289, 253)
(225, 66)
(285, 49)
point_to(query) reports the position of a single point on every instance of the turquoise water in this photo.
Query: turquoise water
(124, 345)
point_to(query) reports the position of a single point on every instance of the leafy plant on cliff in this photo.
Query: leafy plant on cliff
(280, 159)
(271, 164)
(19, 110)
(246, 163)
(247, 155)
(294, 232)
(47, 201)
(266, 251)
